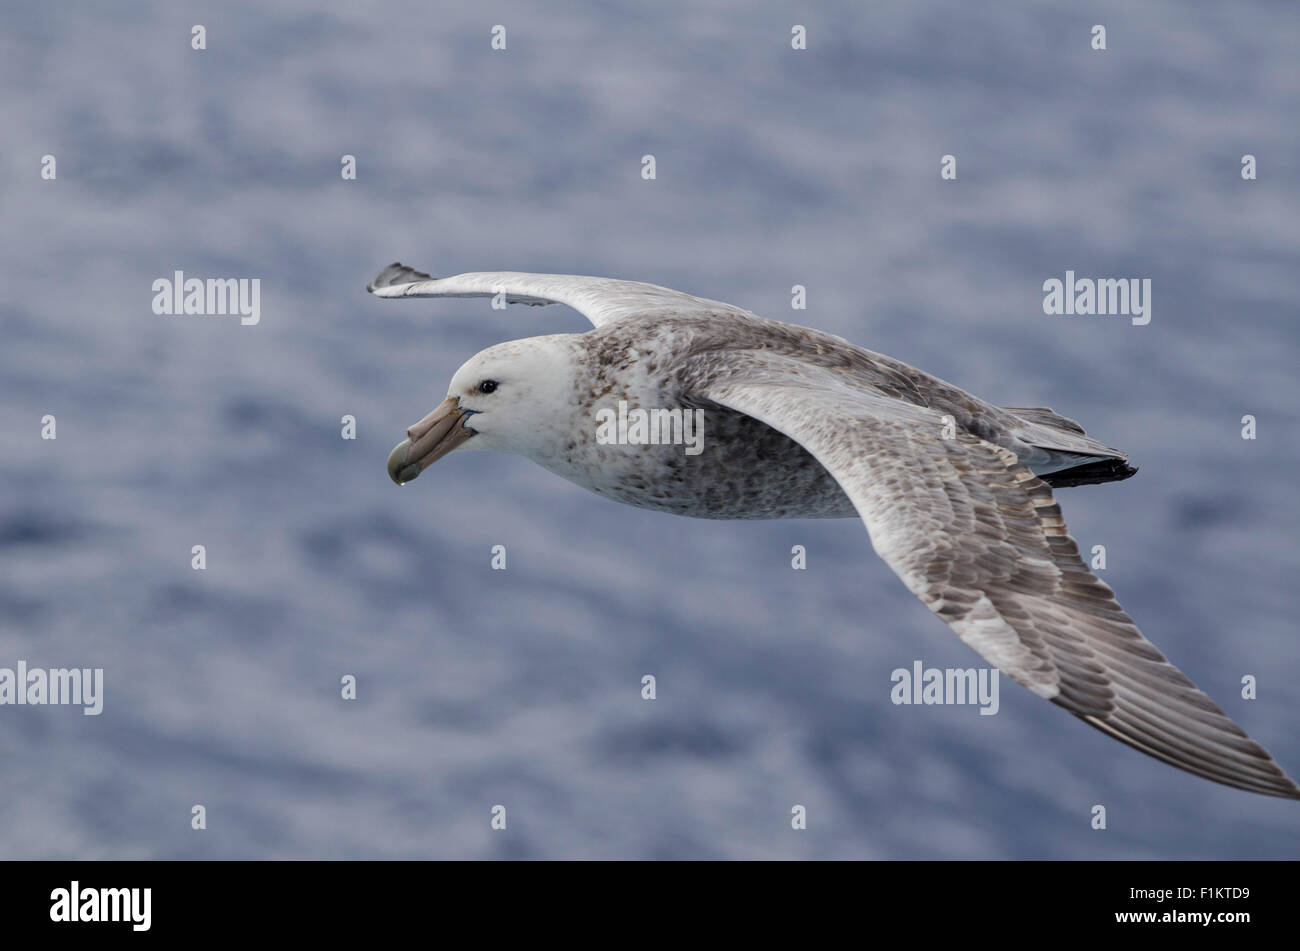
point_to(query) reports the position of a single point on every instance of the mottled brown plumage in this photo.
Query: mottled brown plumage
(954, 491)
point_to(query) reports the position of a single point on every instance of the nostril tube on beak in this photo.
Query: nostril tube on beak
(428, 441)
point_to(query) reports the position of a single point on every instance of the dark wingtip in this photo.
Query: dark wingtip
(396, 273)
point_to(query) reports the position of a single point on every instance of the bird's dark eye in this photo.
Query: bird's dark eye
(488, 386)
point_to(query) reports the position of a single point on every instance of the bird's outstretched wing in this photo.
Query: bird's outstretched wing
(601, 300)
(980, 540)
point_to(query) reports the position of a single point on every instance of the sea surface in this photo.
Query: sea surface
(522, 688)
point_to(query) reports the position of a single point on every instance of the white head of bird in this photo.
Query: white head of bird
(516, 397)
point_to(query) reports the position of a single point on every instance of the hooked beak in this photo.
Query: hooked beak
(429, 440)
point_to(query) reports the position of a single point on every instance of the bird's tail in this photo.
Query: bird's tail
(1072, 456)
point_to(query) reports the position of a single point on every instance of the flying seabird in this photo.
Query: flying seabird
(955, 493)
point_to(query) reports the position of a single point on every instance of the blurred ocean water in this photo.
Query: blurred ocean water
(521, 687)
